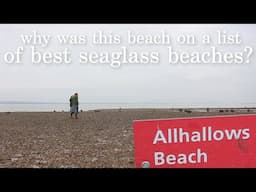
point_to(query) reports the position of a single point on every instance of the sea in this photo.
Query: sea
(64, 107)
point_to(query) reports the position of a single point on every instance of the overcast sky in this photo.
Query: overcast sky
(206, 84)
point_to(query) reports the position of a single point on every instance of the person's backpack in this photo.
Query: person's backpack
(70, 101)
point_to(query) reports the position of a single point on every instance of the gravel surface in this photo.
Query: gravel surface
(98, 139)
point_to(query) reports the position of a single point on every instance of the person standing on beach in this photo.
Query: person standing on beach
(74, 105)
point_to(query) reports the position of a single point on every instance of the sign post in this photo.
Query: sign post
(196, 142)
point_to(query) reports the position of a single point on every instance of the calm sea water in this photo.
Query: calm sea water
(65, 107)
(94, 106)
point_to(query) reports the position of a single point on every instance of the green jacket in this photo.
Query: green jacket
(73, 100)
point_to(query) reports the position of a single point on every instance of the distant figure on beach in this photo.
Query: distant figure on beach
(74, 105)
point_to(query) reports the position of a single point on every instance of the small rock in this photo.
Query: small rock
(101, 141)
(73, 166)
(14, 159)
(94, 159)
(18, 155)
(35, 166)
(37, 156)
(41, 162)
(66, 151)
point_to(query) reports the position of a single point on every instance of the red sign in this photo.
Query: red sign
(197, 142)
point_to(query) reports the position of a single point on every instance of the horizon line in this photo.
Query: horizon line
(183, 105)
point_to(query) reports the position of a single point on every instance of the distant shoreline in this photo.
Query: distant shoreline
(120, 109)
(176, 107)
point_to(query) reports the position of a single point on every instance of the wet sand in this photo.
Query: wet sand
(98, 139)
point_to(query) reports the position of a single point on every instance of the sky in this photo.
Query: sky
(204, 84)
